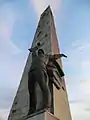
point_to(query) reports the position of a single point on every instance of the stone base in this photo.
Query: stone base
(41, 115)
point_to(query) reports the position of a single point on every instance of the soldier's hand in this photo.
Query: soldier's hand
(30, 50)
(62, 55)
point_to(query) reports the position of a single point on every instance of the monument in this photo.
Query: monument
(42, 93)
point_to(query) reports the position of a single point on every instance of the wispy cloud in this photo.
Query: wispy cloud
(80, 107)
(78, 111)
(78, 54)
(78, 83)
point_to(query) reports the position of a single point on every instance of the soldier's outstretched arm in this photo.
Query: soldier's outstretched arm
(57, 56)
(63, 55)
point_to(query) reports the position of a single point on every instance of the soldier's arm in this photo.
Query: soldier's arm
(56, 56)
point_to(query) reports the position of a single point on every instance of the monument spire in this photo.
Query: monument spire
(46, 35)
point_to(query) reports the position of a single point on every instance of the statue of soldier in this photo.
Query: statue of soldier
(38, 74)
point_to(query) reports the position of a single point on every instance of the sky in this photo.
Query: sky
(18, 21)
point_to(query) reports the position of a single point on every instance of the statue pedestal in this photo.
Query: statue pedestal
(41, 115)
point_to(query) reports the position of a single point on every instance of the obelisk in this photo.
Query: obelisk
(46, 34)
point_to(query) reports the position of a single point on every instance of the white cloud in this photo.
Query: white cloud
(78, 54)
(84, 45)
(79, 111)
(40, 5)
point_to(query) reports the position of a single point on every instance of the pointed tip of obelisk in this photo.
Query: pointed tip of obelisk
(47, 9)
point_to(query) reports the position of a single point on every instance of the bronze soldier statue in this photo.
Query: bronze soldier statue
(38, 74)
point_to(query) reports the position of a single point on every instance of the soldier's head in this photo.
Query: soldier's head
(38, 44)
(40, 51)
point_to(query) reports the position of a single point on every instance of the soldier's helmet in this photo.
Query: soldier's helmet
(38, 44)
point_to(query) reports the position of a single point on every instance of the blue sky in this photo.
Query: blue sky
(18, 21)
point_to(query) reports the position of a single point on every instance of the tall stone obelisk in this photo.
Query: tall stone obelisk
(46, 34)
